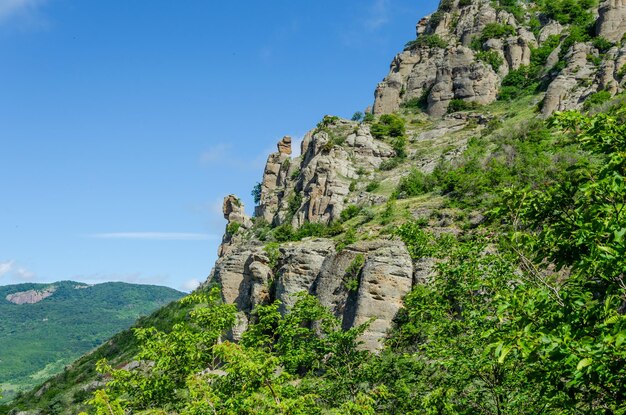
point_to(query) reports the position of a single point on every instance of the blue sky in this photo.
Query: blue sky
(123, 124)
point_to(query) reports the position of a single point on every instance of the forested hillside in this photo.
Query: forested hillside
(40, 334)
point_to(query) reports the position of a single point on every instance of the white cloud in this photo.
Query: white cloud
(190, 285)
(19, 8)
(159, 236)
(6, 267)
(15, 273)
(378, 15)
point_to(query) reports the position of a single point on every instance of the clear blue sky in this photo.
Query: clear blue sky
(123, 124)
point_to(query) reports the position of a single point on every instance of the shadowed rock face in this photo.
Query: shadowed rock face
(611, 23)
(313, 266)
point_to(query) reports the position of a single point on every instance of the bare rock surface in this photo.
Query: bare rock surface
(30, 296)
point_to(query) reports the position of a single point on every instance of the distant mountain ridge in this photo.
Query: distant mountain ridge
(46, 326)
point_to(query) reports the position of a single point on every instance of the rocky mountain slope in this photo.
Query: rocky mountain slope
(46, 326)
(459, 118)
(467, 56)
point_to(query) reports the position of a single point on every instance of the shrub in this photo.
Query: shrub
(465, 3)
(399, 146)
(357, 116)
(461, 105)
(256, 193)
(539, 56)
(350, 212)
(568, 11)
(295, 174)
(518, 83)
(372, 186)
(390, 164)
(283, 233)
(388, 212)
(602, 44)
(596, 98)
(496, 31)
(416, 183)
(351, 277)
(294, 203)
(368, 117)
(348, 238)
(388, 125)
(446, 5)
(232, 228)
(430, 41)
(491, 58)
(272, 250)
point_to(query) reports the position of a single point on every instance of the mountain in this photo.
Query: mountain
(457, 249)
(46, 326)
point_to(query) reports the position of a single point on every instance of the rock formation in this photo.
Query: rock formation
(456, 65)
(452, 59)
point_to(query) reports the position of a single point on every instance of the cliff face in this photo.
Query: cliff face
(459, 55)
(467, 52)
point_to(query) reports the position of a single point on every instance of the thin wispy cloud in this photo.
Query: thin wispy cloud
(366, 24)
(378, 15)
(155, 236)
(20, 9)
(5, 267)
(13, 271)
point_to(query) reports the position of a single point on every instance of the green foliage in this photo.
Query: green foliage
(519, 82)
(232, 228)
(369, 117)
(372, 186)
(465, 3)
(388, 125)
(390, 164)
(399, 146)
(539, 56)
(491, 58)
(357, 116)
(256, 193)
(295, 174)
(294, 203)
(457, 105)
(348, 238)
(415, 184)
(421, 243)
(602, 44)
(429, 41)
(388, 211)
(350, 212)
(596, 98)
(191, 371)
(272, 250)
(575, 12)
(496, 31)
(351, 276)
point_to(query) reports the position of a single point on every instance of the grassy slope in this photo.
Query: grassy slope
(38, 340)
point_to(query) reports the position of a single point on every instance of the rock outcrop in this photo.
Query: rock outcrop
(611, 23)
(313, 266)
(453, 58)
(314, 186)
(30, 296)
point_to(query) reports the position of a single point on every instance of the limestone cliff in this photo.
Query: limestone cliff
(465, 50)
